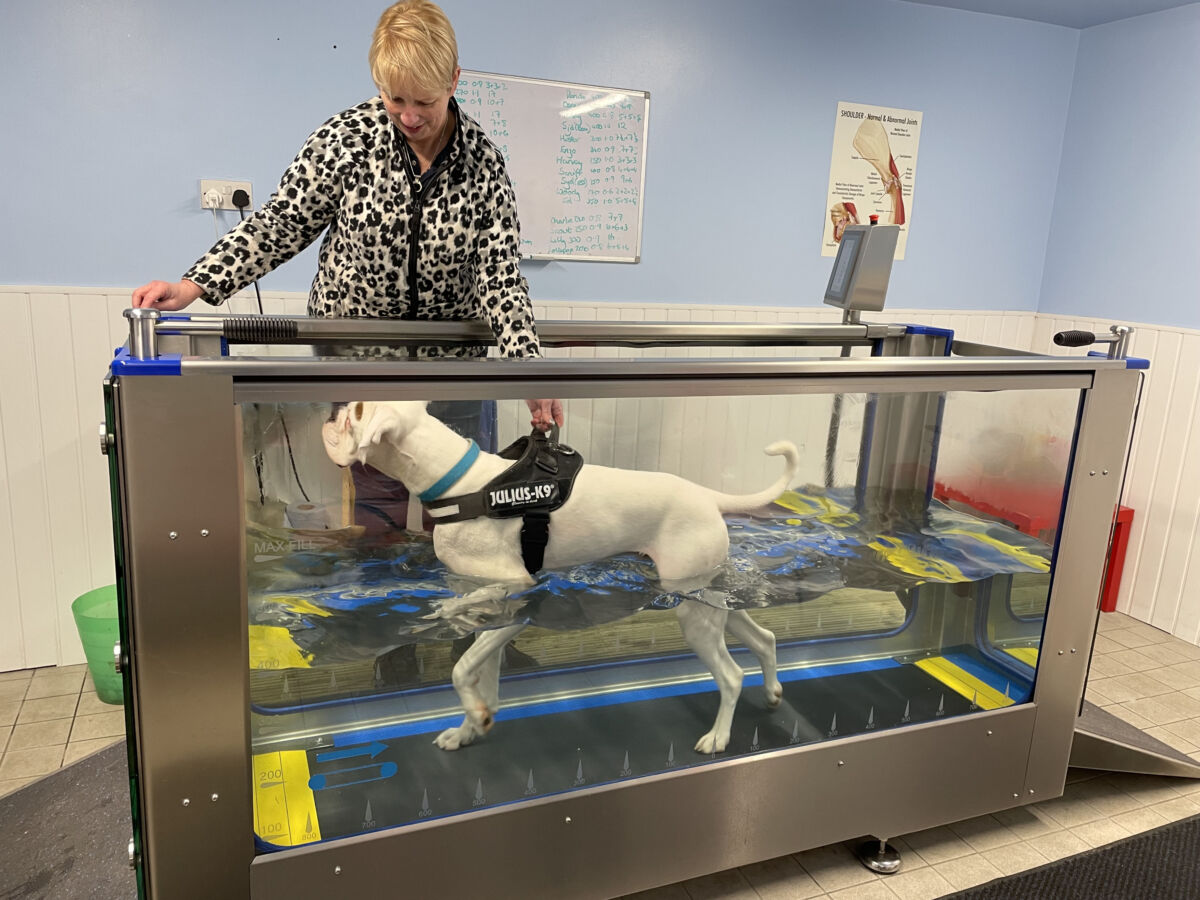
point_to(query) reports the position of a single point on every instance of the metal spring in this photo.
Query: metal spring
(258, 330)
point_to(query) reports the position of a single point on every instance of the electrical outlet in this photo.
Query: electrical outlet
(217, 193)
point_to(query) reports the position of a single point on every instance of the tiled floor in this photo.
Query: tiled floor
(52, 717)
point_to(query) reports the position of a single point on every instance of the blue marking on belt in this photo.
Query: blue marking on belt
(460, 469)
(529, 710)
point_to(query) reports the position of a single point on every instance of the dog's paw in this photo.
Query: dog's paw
(451, 608)
(472, 607)
(774, 692)
(713, 742)
(453, 738)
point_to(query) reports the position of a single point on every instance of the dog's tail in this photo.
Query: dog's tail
(740, 503)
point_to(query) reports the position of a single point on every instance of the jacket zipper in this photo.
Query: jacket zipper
(414, 230)
(414, 245)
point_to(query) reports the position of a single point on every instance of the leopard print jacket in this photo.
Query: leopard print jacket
(399, 245)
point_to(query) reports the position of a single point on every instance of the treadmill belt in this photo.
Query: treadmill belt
(380, 781)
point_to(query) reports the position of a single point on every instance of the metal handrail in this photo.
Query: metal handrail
(637, 369)
(552, 333)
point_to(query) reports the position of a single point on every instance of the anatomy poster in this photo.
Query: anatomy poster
(872, 172)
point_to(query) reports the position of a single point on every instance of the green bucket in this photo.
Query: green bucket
(96, 618)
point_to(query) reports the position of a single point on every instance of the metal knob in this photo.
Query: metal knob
(143, 338)
(117, 658)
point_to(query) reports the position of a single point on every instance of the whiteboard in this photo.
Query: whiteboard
(576, 155)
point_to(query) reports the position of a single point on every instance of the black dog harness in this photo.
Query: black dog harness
(536, 484)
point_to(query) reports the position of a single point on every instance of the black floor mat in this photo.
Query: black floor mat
(67, 836)
(1155, 865)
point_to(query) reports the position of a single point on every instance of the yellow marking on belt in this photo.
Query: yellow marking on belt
(907, 560)
(272, 647)
(964, 683)
(285, 810)
(1033, 560)
(828, 511)
(1027, 655)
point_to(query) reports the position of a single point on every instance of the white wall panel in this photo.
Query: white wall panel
(25, 471)
(1161, 454)
(1142, 481)
(55, 526)
(13, 642)
(1187, 559)
(1179, 493)
(69, 575)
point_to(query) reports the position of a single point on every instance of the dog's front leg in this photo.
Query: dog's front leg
(473, 680)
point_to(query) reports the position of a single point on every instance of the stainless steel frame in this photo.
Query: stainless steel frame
(177, 454)
(177, 450)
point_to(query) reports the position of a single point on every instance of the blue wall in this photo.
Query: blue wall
(1125, 242)
(115, 108)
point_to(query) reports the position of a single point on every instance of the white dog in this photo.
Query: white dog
(676, 523)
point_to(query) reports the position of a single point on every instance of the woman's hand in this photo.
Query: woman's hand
(545, 413)
(166, 295)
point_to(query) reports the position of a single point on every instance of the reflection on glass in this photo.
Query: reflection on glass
(893, 593)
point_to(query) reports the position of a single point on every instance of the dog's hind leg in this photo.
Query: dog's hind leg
(762, 644)
(476, 679)
(703, 628)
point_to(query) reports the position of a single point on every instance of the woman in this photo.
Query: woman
(420, 222)
(419, 215)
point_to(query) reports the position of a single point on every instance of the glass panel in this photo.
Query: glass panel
(1006, 460)
(875, 590)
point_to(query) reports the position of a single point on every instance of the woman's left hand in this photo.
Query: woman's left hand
(545, 413)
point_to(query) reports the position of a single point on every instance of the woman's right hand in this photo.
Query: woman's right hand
(167, 295)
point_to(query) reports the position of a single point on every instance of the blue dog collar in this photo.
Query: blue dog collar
(460, 469)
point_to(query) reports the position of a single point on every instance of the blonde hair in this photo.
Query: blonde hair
(414, 45)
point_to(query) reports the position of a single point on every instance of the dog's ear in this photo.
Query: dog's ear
(340, 443)
(375, 423)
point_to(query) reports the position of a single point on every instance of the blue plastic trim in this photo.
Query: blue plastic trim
(947, 333)
(1131, 362)
(930, 329)
(460, 468)
(124, 364)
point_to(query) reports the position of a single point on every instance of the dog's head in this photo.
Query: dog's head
(355, 429)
